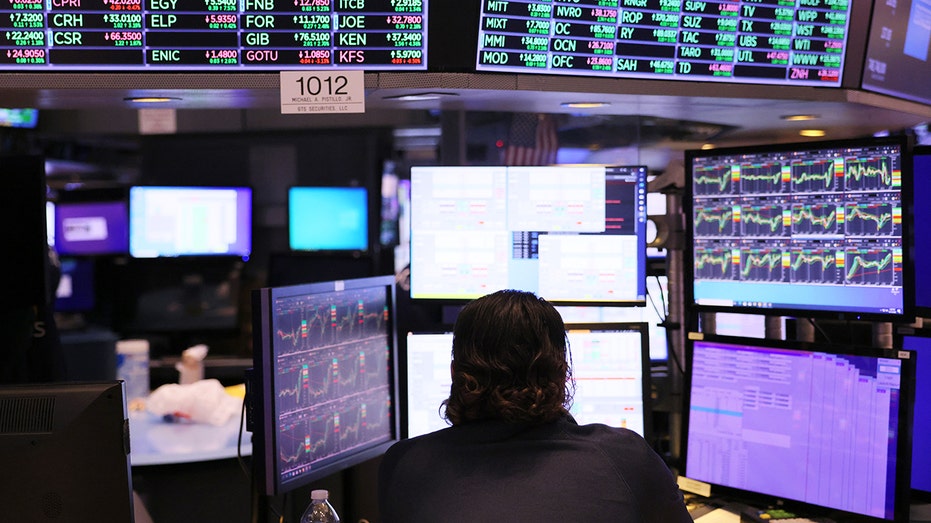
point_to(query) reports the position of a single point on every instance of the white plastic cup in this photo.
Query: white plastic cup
(132, 366)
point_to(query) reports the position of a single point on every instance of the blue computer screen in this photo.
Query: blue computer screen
(328, 218)
(922, 229)
(921, 428)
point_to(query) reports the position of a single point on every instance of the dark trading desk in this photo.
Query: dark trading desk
(190, 471)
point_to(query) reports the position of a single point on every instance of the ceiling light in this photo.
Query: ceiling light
(151, 99)
(419, 97)
(707, 146)
(812, 133)
(799, 117)
(584, 105)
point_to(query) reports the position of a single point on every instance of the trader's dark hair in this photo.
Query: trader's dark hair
(511, 361)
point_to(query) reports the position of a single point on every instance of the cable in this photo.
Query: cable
(662, 297)
(820, 329)
(242, 462)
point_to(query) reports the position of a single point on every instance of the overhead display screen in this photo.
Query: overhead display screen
(791, 42)
(212, 34)
(900, 39)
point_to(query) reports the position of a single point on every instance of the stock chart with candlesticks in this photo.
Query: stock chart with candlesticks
(773, 227)
(331, 375)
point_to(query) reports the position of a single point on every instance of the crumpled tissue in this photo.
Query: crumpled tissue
(204, 401)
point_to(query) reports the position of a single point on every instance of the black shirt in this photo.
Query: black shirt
(496, 471)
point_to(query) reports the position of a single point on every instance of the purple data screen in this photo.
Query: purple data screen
(807, 426)
(91, 228)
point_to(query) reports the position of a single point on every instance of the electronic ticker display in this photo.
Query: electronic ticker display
(212, 34)
(791, 42)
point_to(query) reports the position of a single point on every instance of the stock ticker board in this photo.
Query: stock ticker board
(790, 42)
(200, 35)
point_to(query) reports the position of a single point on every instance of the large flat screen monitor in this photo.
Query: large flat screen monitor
(183, 295)
(168, 221)
(328, 218)
(65, 452)
(572, 235)
(325, 391)
(899, 44)
(816, 427)
(91, 228)
(921, 220)
(807, 229)
(920, 343)
(222, 35)
(610, 365)
(781, 43)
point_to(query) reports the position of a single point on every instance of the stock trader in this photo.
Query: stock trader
(513, 452)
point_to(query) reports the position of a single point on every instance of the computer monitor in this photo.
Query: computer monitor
(324, 380)
(65, 452)
(808, 229)
(76, 291)
(610, 365)
(783, 43)
(169, 221)
(816, 428)
(91, 228)
(653, 314)
(180, 295)
(921, 220)
(920, 343)
(898, 44)
(328, 218)
(572, 235)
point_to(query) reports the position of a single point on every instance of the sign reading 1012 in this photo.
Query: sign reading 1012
(309, 92)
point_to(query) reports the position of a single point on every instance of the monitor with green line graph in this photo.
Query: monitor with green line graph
(817, 229)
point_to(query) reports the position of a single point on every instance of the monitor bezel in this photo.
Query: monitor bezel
(246, 190)
(265, 448)
(643, 261)
(904, 444)
(799, 310)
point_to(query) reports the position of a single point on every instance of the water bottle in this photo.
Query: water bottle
(132, 366)
(320, 510)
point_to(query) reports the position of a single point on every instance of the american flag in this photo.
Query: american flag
(532, 140)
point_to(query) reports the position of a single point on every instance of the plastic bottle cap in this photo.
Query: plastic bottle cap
(319, 494)
(132, 347)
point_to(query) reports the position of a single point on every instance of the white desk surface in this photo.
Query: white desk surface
(157, 442)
